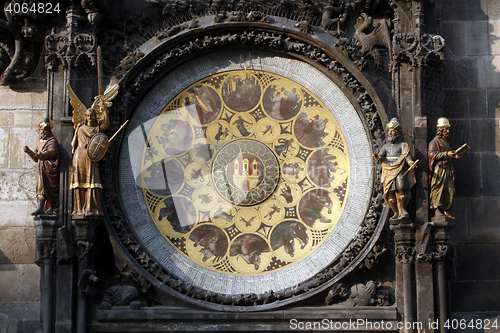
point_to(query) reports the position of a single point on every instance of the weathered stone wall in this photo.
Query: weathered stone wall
(472, 33)
(20, 112)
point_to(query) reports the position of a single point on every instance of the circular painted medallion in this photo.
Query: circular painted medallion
(245, 172)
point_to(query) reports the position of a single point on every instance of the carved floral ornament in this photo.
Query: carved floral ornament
(67, 49)
(416, 49)
(150, 70)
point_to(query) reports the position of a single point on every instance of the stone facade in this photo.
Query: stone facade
(470, 99)
(20, 112)
(471, 30)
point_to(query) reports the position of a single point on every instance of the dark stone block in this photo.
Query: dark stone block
(479, 134)
(463, 10)
(484, 226)
(468, 176)
(462, 73)
(465, 104)
(487, 317)
(22, 317)
(475, 262)
(475, 296)
(454, 35)
(490, 164)
(476, 44)
(460, 210)
(494, 103)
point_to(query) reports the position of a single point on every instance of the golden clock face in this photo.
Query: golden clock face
(245, 172)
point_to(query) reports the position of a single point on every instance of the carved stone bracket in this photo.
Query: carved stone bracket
(405, 254)
(68, 49)
(85, 232)
(404, 238)
(46, 232)
(415, 50)
(434, 241)
(442, 225)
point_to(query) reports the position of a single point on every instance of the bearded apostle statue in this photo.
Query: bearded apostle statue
(441, 170)
(47, 155)
(398, 176)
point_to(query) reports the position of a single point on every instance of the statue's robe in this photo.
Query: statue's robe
(394, 164)
(85, 179)
(441, 175)
(48, 175)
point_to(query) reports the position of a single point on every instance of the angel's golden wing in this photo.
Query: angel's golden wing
(78, 107)
(107, 97)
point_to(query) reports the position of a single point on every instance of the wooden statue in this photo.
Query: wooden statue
(47, 155)
(441, 171)
(397, 170)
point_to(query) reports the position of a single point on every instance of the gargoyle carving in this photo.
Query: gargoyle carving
(380, 36)
(21, 34)
(121, 296)
(371, 294)
(85, 283)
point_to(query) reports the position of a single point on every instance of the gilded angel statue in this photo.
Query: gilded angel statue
(89, 146)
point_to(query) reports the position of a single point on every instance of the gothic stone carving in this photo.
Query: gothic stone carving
(415, 50)
(379, 36)
(370, 294)
(68, 50)
(21, 35)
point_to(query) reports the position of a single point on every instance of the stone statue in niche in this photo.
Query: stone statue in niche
(370, 294)
(47, 155)
(398, 176)
(441, 171)
(89, 146)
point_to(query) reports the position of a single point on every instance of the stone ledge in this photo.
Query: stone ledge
(161, 319)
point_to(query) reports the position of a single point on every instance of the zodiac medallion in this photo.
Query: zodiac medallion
(245, 172)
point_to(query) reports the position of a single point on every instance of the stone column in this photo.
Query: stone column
(66, 46)
(441, 237)
(46, 236)
(404, 239)
(85, 232)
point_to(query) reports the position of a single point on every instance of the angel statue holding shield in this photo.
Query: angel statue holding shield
(89, 145)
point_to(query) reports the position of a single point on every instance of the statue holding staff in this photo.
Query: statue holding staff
(47, 155)
(398, 176)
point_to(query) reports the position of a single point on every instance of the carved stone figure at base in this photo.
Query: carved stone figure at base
(441, 171)
(370, 294)
(398, 176)
(47, 155)
(121, 296)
